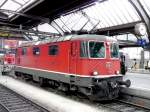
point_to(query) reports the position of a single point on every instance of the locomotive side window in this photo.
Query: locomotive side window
(114, 50)
(96, 49)
(83, 49)
(36, 50)
(53, 50)
(24, 50)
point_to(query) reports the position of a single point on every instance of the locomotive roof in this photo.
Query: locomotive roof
(93, 37)
(71, 37)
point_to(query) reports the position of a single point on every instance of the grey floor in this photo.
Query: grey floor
(139, 81)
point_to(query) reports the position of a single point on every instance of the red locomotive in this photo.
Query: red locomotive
(86, 63)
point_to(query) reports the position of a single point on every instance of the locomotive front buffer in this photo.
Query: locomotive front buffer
(108, 88)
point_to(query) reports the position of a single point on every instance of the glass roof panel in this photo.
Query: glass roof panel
(14, 5)
(10, 5)
(146, 5)
(46, 28)
(2, 2)
(108, 13)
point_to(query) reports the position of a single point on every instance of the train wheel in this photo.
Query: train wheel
(17, 74)
(42, 82)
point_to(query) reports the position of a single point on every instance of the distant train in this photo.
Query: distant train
(88, 64)
(7, 61)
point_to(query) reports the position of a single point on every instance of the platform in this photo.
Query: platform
(139, 71)
(140, 85)
(139, 92)
(139, 81)
(47, 99)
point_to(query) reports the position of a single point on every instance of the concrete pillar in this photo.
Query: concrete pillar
(142, 60)
(1, 69)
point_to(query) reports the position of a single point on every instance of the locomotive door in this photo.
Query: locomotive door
(18, 53)
(73, 58)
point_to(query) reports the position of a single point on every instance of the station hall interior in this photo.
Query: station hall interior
(75, 55)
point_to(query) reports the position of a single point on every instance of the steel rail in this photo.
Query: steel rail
(12, 101)
(130, 103)
(122, 106)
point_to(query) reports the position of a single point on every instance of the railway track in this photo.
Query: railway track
(3, 108)
(13, 102)
(121, 106)
(117, 105)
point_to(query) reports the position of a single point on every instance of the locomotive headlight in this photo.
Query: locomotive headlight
(117, 72)
(5, 62)
(107, 43)
(95, 73)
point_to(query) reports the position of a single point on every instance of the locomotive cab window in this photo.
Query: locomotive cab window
(36, 50)
(96, 49)
(114, 50)
(24, 50)
(53, 50)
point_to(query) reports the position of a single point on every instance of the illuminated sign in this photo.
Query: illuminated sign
(141, 42)
(10, 43)
(2, 34)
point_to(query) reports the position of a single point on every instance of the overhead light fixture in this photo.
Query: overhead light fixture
(6, 47)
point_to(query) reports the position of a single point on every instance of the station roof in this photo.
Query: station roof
(105, 13)
(100, 15)
(28, 12)
(106, 17)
